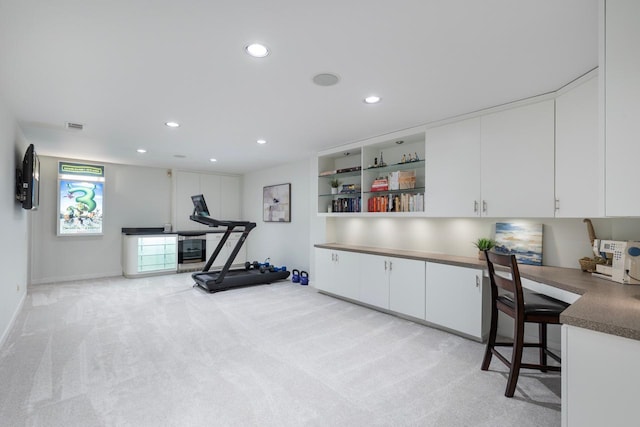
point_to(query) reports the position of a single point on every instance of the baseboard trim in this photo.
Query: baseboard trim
(7, 330)
(48, 280)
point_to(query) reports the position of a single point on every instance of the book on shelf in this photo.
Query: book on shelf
(404, 202)
(351, 169)
(380, 185)
(346, 204)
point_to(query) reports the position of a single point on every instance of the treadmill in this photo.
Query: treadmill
(214, 281)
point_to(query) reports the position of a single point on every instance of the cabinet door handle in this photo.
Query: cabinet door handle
(333, 256)
(477, 281)
(385, 265)
(390, 265)
(475, 206)
(557, 206)
(484, 206)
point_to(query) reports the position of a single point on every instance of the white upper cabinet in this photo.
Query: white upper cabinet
(187, 185)
(497, 165)
(230, 198)
(622, 106)
(517, 161)
(453, 170)
(579, 168)
(221, 194)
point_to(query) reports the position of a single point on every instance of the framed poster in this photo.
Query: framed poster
(80, 199)
(276, 203)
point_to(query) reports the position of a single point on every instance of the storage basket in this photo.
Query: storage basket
(589, 264)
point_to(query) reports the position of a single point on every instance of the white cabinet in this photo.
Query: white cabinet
(221, 193)
(622, 106)
(391, 283)
(457, 298)
(497, 165)
(337, 272)
(230, 198)
(187, 185)
(517, 161)
(374, 280)
(579, 168)
(600, 377)
(213, 239)
(453, 170)
(144, 255)
(407, 287)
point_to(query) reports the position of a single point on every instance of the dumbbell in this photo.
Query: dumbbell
(304, 278)
(247, 265)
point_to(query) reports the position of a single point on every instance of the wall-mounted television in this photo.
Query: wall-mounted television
(28, 180)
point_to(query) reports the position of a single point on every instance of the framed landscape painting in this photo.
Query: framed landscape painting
(522, 240)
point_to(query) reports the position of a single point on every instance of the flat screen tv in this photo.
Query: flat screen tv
(199, 205)
(28, 180)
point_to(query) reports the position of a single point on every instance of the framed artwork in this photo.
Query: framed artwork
(80, 199)
(522, 240)
(276, 203)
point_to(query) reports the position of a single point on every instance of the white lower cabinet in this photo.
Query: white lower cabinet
(213, 239)
(395, 284)
(407, 286)
(374, 280)
(457, 298)
(338, 272)
(144, 254)
(600, 377)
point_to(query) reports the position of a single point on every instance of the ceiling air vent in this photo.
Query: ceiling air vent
(76, 126)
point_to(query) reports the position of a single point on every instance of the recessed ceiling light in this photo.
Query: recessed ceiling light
(213, 160)
(261, 141)
(257, 50)
(172, 124)
(372, 99)
(141, 150)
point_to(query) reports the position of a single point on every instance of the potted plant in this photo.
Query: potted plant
(334, 185)
(483, 243)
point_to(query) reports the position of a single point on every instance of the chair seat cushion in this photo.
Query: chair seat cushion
(536, 303)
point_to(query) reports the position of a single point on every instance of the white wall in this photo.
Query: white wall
(285, 243)
(14, 220)
(134, 197)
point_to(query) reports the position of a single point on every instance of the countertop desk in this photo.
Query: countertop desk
(603, 306)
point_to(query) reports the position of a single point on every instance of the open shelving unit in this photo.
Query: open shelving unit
(346, 167)
(358, 169)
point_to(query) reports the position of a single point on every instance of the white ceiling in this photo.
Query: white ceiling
(125, 67)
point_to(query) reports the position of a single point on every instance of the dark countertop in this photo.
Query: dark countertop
(142, 231)
(604, 306)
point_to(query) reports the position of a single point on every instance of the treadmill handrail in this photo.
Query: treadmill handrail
(211, 222)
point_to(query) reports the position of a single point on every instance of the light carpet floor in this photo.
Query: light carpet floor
(157, 352)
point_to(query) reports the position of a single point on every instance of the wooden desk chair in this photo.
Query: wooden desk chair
(524, 307)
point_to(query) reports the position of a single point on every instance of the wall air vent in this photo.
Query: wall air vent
(75, 126)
